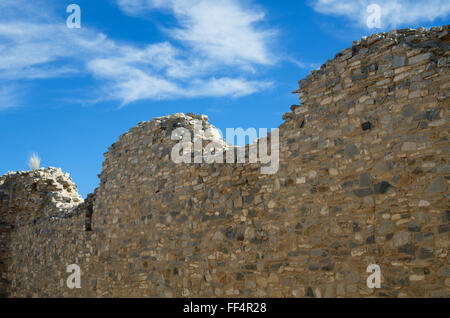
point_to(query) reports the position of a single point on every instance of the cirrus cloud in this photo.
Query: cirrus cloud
(199, 59)
(394, 13)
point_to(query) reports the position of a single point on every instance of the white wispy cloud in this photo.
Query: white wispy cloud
(193, 63)
(9, 96)
(302, 65)
(222, 30)
(394, 13)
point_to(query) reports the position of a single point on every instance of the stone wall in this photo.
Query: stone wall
(31, 205)
(363, 179)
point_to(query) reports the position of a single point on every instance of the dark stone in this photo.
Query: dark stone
(309, 292)
(398, 61)
(446, 216)
(336, 209)
(422, 125)
(382, 187)
(298, 226)
(444, 272)
(418, 237)
(356, 227)
(256, 241)
(444, 228)
(404, 281)
(347, 184)
(302, 124)
(425, 252)
(389, 236)
(364, 180)
(438, 185)
(413, 227)
(165, 152)
(249, 199)
(370, 239)
(408, 111)
(432, 114)
(420, 116)
(367, 126)
(417, 171)
(352, 244)
(338, 142)
(363, 192)
(239, 276)
(395, 178)
(407, 249)
(351, 150)
(359, 77)
(335, 244)
(229, 232)
(328, 267)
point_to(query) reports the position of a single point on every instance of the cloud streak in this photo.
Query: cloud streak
(394, 13)
(204, 56)
(9, 96)
(217, 29)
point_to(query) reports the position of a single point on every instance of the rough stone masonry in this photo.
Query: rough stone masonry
(363, 179)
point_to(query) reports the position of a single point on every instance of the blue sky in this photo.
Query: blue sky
(68, 94)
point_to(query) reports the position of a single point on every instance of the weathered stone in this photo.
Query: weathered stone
(421, 58)
(425, 252)
(398, 61)
(423, 203)
(364, 180)
(413, 227)
(402, 238)
(385, 227)
(444, 228)
(438, 185)
(407, 249)
(353, 277)
(409, 146)
(408, 111)
(382, 187)
(370, 239)
(335, 244)
(366, 126)
(363, 192)
(351, 150)
(432, 114)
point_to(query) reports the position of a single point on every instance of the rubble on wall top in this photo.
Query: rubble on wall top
(62, 192)
(417, 38)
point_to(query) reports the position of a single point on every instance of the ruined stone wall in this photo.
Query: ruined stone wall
(33, 207)
(363, 179)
